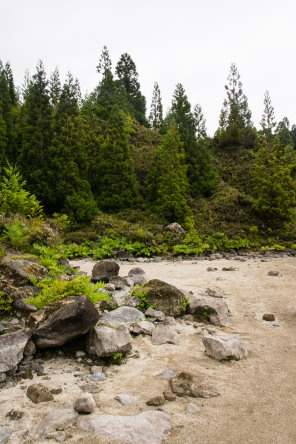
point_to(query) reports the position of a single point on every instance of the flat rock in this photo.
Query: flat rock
(85, 403)
(225, 347)
(150, 427)
(39, 393)
(144, 328)
(12, 347)
(104, 270)
(214, 310)
(4, 435)
(123, 315)
(163, 297)
(166, 374)
(105, 341)
(71, 317)
(163, 334)
(59, 419)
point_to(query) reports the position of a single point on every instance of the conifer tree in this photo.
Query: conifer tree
(10, 83)
(127, 73)
(200, 122)
(55, 89)
(167, 181)
(117, 181)
(268, 120)
(156, 109)
(7, 130)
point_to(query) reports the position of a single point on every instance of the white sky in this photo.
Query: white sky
(191, 42)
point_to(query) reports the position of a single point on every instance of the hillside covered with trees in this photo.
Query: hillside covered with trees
(104, 165)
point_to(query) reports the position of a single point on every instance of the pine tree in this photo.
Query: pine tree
(127, 73)
(167, 181)
(283, 133)
(117, 181)
(10, 83)
(268, 120)
(156, 109)
(200, 122)
(55, 89)
(7, 130)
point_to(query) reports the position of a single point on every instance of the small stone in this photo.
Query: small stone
(166, 374)
(96, 369)
(212, 269)
(123, 399)
(229, 269)
(85, 404)
(14, 415)
(273, 273)
(97, 377)
(56, 391)
(214, 293)
(39, 393)
(169, 396)
(192, 408)
(79, 360)
(268, 317)
(58, 436)
(91, 388)
(79, 354)
(156, 401)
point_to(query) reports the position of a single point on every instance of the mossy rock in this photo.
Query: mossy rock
(163, 297)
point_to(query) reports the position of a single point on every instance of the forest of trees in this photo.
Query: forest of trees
(106, 152)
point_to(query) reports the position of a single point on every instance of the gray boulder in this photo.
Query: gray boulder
(59, 419)
(144, 328)
(104, 341)
(225, 347)
(12, 347)
(85, 404)
(118, 282)
(154, 314)
(163, 297)
(4, 435)
(138, 276)
(123, 315)
(150, 427)
(162, 334)
(20, 271)
(72, 317)
(104, 270)
(209, 308)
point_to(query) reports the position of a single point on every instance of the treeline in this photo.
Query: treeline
(105, 152)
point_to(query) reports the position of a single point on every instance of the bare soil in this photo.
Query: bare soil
(257, 402)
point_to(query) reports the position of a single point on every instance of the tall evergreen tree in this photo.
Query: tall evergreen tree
(127, 73)
(36, 133)
(200, 122)
(7, 130)
(156, 109)
(268, 122)
(167, 181)
(10, 83)
(55, 89)
(117, 181)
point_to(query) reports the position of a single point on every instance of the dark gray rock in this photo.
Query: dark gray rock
(150, 427)
(138, 276)
(225, 347)
(20, 271)
(105, 341)
(72, 317)
(118, 282)
(211, 309)
(104, 270)
(19, 304)
(12, 347)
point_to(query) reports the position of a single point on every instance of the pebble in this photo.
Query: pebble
(192, 408)
(123, 399)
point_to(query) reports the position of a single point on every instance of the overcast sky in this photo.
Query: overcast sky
(192, 42)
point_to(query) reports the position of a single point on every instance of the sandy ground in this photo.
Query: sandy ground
(257, 402)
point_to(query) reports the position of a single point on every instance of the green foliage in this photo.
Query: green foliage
(16, 234)
(139, 293)
(5, 303)
(14, 199)
(117, 356)
(56, 289)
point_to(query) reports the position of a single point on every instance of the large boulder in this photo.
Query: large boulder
(138, 276)
(105, 341)
(64, 320)
(150, 427)
(12, 347)
(212, 309)
(20, 271)
(163, 296)
(104, 270)
(225, 347)
(123, 315)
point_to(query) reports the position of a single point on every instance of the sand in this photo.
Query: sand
(257, 402)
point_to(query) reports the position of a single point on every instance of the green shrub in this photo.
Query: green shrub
(5, 303)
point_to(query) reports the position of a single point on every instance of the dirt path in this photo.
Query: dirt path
(257, 402)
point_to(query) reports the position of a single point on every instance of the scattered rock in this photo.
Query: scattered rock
(205, 392)
(14, 414)
(97, 377)
(164, 297)
(12, 347)
(225, 347)
(91, 388)
(229, 269)
(273, 273)
(166, 374)
(215, 311)
(132, 301)
(181, 384)
(59, 419)
(79, 354)
(146, 428)
(118, 282)
(214, 293)
(123, 399)
(104, 270)
(212, 269)
(39, 393)
(162, 334)
(169, 396)
(19, 304)
(144, 327)
(192, 408)
(138, 276)
(123, 315)
(156, 401)
(72, 316)
(85, 404)
(56, 391)
(105, 341)
(268, 317)
(154, 314)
